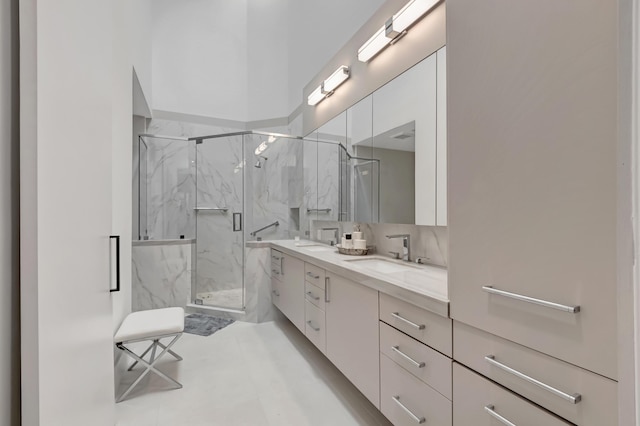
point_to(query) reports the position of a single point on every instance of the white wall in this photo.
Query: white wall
(317, 30)
(200, 57)
(245, 60)
(140, 20)
(9, 210)
(267, 59)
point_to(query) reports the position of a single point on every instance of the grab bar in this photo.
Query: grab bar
(276, 223)
(318, 210)
(212, 209)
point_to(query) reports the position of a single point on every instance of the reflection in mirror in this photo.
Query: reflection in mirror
(404, 129)
(363, 170)
(310, 181)
(331, 168)
(384, 159)
(395, 151)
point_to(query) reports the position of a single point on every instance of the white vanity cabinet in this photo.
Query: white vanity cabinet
(533, 178)
(287, 278)
(352, 333)
(532, 201)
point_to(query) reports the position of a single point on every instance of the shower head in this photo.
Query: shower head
(258, 164)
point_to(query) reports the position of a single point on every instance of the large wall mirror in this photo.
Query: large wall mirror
(384, 158)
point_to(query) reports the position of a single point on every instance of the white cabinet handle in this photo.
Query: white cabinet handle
(275, 271)
(490, 409)
(417, 419)
(411, 323)
(311, 295)
(574, 399)
(417, 364)
(315, 277)
(564, 308)
(275, 293)
(311, 325)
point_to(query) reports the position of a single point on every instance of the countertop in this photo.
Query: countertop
(423, 285)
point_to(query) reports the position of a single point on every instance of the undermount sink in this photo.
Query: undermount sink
(381, 265)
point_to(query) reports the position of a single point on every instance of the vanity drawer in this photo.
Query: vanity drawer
(275, 292)
(431, 329)
(315, 330)
(426, 364)
(406, 401)
(515, 366)
(479, 402)
(276, 264)
(314, 294)
(314, 275)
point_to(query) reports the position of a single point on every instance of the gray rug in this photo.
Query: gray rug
(204, 325)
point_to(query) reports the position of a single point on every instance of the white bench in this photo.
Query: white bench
(150, 325)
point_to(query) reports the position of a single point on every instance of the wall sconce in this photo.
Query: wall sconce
(395, 28)
(328, 86)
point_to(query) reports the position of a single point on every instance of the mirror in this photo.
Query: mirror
(363, 169)
(384, 158)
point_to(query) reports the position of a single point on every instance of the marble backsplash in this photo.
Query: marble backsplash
(429, 242)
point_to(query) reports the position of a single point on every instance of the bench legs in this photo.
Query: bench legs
(153, 346)
(150, 366)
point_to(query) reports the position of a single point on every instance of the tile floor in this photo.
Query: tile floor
(248, 374)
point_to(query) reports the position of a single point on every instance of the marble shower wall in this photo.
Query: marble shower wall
(220, 172)
(162, 273)
(430, 242)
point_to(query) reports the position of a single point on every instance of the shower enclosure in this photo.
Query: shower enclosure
(220, 191)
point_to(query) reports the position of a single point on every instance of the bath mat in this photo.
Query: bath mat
(204, 325)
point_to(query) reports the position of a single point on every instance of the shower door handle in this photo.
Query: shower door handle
(117, 238)
(237, 222)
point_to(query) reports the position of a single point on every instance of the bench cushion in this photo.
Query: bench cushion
(149, 324)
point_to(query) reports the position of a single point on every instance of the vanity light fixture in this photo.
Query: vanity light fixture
(338, 77)
(374, 45)
(316, 96)
(328, 86)
(395, 27)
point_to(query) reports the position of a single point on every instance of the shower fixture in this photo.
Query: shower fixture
(258, 163)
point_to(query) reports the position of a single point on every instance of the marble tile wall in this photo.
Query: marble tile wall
(430, 242)
(161, 274)
(219, 173)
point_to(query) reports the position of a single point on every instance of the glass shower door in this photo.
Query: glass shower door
(219, 257)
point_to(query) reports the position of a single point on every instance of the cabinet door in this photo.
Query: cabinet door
(292, 290)
(532, 173)
(352, 334)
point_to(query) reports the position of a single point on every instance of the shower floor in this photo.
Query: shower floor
(230, 298)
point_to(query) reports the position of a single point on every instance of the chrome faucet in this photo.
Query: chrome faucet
(406, 246)
(336, 234)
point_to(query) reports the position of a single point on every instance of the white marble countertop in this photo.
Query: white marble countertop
(422, 285)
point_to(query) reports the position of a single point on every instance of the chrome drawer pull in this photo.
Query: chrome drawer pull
(417, 419)
(574, 399)
(326, 289)
(490, 409)
(311, 325)
(411, 323)
(275, 293)
(546, 304)
(311, 295)
(397, 350)
(315, 277)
